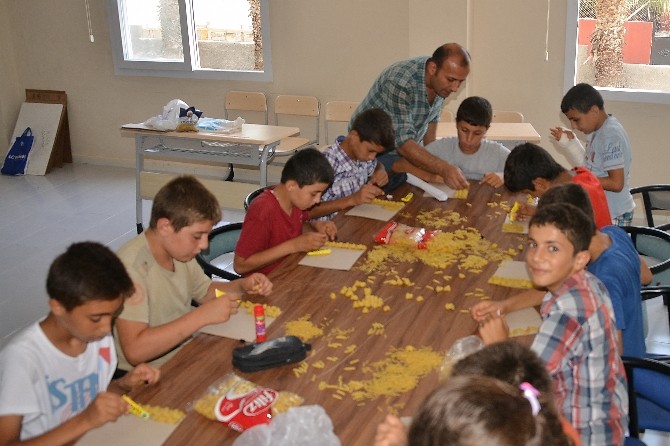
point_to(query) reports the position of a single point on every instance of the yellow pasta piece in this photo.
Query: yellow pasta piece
(165, 415)
(389, 204)
(449, 306)
(345, 245)
(461, 194)
(319, 252)
(303, 328)
(407, 197)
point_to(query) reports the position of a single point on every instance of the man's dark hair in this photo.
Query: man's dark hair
(448, 51)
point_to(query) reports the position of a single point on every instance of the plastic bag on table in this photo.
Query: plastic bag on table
(241, 404)
(299, 426)
(170, 117)
(459, 350)
(220, 125)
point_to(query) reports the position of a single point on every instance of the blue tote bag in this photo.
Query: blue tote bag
(16, 160)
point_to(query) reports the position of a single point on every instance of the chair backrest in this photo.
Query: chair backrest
(247, 101)
(507, 116)
(299, 111)
(249, 198)
(654, 245)
(648, 394)
(338, 112)
(655, 197)
(446, 115)
(219, 254)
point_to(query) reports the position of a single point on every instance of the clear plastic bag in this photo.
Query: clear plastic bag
(459, 350)
(298, 426)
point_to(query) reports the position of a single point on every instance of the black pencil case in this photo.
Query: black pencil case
(268, 354)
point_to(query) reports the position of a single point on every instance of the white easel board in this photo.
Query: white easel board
(43, 120)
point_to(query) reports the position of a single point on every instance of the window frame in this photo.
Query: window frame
(608, 93)
(184, 69)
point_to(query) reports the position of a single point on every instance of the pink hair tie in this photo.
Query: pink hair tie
(531, 394)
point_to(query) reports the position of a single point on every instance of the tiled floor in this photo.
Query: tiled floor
(41, 216)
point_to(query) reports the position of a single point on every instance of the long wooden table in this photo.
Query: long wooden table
(253, 145)
(301, 290)
(499, 131)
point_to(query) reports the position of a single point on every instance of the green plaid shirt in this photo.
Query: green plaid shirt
(400, 90)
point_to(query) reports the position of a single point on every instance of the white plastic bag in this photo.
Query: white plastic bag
(170, 117)
(298, 426)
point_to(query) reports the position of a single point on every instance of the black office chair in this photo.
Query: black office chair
(222, 242)
(648, 395)
(249, 198)
(655, 197)
(654, 245)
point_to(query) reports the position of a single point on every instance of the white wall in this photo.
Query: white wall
(329, 49)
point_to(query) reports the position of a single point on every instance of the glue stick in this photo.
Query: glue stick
(259, 318)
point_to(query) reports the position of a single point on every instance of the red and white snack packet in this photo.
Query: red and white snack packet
(241, 404)
(394, 232)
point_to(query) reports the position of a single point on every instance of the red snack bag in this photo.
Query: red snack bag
(394, 232)
(241, 404)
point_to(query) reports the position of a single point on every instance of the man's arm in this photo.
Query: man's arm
(431, 134)
(420, 157)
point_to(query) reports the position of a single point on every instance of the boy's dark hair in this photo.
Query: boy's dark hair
(470, 410)
(525, 163)
(375, 126)
(184, 201)
(308, 166)
(571, 193)
(582, 97)
(475, 110)
(570, 220)
(449, 50)
(87, 271)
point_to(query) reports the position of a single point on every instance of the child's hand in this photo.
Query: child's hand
(494, 329)
(391, 432)
(486, 309)
(309, 241)
(558, 132)
(525, 211)
(141, 374)
(492, 179)
(326, 227)
(218, 310)
(106, 407)
(379, 178)
(256, 283)
(366, 194)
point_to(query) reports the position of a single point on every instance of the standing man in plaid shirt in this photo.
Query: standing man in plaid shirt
(412, 92)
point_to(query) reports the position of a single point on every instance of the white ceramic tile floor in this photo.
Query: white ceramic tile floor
(41, 216)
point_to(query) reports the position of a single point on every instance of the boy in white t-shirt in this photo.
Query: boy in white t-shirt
(55, 374)
(477, 158)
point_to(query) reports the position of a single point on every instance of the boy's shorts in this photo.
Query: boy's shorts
(624, 219)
